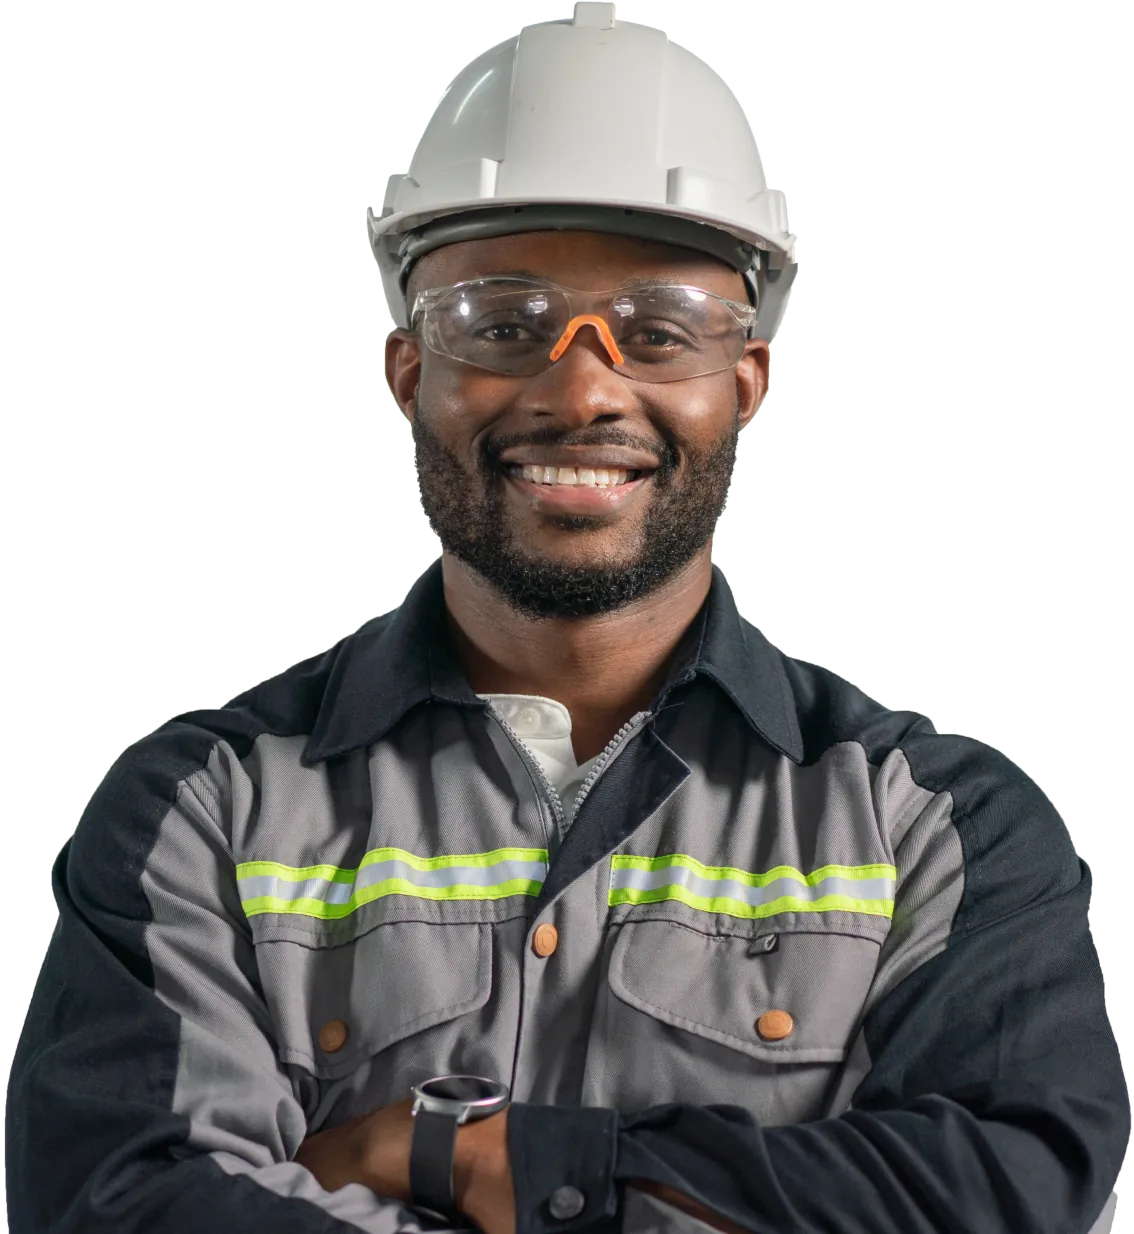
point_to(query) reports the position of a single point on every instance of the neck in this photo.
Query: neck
(603, 669)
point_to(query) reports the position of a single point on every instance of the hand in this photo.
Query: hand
(372, 1149)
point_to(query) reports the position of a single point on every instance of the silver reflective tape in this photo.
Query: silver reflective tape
(710, 888)
(330, 892)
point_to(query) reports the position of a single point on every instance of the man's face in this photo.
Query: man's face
(571, 550)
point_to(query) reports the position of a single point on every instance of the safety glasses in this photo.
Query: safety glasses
(654, 332)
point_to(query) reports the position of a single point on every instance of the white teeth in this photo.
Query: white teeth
(590, 477)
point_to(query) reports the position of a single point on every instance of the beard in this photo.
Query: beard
(469, 514)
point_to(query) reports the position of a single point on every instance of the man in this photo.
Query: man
(662, 929)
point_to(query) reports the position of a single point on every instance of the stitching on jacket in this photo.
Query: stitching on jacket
(721, 935)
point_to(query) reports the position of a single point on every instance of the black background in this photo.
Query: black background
(231, 489)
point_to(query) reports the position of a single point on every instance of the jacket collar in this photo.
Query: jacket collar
(395, 662)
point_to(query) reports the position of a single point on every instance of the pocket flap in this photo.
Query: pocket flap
(719, 986)
(388, 983)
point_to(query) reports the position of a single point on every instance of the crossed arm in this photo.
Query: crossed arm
(374, 1150)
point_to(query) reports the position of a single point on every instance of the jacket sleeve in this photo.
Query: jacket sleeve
(146, 1093)
(994, 1101)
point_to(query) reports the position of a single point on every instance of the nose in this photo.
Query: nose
(580, 386)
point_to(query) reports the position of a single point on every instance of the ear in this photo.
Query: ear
(403, 369)
(752, 379)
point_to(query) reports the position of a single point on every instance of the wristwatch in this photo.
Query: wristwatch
(440, 1106)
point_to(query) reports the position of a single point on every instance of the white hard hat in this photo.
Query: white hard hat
(595, 125)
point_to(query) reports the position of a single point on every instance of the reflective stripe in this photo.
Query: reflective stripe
(738, 893)
(331, 892)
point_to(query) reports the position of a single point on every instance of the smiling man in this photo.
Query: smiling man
(558, 898)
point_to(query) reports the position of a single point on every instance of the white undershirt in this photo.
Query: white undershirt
(544, 726)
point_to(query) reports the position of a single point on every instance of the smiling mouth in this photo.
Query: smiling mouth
(573, 477)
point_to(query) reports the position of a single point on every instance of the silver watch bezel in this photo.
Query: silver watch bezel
(461, 1111)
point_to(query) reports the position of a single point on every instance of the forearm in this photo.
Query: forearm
(483, 1182)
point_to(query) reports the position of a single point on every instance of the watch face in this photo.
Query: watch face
(462, 1088)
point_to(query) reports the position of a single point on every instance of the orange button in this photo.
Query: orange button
(545, 939)
(332, 1036)
(775, 1025)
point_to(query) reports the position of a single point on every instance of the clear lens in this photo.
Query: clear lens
(665, 332)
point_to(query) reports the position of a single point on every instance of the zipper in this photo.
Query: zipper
(559, 815)
(612, 745)
(552, 794)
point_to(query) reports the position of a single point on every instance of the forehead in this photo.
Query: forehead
(586, 260)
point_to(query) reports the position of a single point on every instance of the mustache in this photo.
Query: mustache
(491, 450)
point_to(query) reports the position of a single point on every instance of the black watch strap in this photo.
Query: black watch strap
(432, 1147)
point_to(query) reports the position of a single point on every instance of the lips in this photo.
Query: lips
(586, 458)
(574, 477)
(568, 498)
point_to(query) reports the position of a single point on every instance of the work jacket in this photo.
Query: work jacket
(813, 964)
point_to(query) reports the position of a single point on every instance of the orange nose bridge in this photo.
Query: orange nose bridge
(587, 319)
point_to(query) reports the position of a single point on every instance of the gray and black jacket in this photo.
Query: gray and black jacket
(283, 913)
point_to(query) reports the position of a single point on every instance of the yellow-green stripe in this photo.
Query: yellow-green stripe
(750, 894)
(330, 892)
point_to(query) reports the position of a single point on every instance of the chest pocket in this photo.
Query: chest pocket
(336, 1004)
(724, 988)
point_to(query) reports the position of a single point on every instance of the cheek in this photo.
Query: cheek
(698, 416)
(480, 400)
(461, 402)
(466, 377)
(451, 423)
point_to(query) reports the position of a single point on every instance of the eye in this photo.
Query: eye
(504, 332)
(658, 336)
